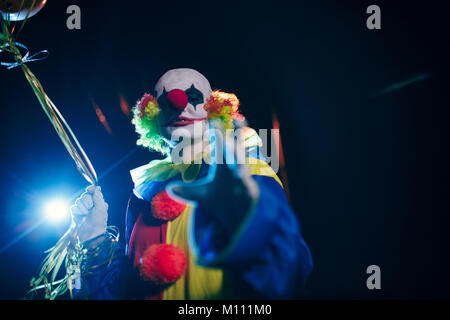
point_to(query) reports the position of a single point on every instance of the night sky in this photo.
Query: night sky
(368, 175)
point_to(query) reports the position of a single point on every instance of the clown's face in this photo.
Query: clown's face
(181, 95)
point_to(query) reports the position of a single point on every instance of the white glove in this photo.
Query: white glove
(92, 207)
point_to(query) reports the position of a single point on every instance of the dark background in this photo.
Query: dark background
(368, 175)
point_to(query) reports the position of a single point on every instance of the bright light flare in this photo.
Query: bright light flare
(56, 210)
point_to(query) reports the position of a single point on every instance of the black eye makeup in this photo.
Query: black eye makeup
(169, 113)
(195, 96)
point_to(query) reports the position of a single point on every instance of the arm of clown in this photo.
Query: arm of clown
(243, 222)
(104, 264)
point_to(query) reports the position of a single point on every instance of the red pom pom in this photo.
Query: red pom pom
(166, 208)
(162, 263)
(178, 98)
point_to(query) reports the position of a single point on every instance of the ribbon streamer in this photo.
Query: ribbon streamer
(59, 123)
(26, 58)
(67, 249)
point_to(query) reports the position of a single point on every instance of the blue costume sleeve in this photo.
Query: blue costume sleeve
(108, 274)
(266, 250)
(101, 272)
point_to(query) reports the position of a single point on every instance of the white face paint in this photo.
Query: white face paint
(190, 122)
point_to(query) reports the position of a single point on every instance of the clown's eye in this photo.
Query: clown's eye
(162, 100)
(195, 97)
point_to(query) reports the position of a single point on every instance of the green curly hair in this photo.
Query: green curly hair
(146, 125)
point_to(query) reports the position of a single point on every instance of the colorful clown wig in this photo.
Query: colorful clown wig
(146, 124)
(220, 106)
(224, 107)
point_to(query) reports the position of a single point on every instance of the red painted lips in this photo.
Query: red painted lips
(184, 121)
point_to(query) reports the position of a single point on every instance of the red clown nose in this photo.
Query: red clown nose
(178, 98)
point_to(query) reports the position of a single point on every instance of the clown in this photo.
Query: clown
(195, 228)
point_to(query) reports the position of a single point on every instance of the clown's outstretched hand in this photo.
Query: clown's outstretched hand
(228, 192)
(91, 211)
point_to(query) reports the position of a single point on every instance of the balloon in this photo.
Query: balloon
(16, 10)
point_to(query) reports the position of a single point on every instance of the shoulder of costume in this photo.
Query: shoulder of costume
(255, 159)
(145, 179)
